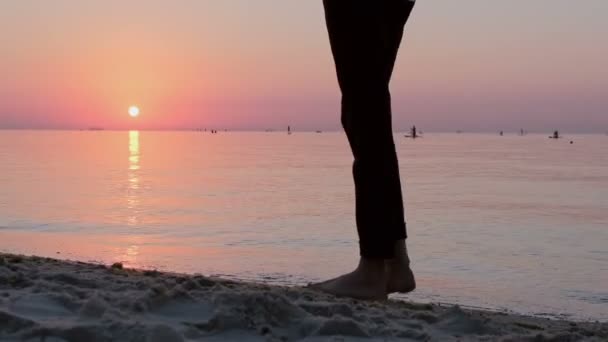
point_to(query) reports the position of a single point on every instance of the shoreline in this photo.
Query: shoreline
(43, 298)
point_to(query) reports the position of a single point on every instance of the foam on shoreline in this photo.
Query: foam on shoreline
(51, 300)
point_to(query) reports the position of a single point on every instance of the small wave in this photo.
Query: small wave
(589, 297)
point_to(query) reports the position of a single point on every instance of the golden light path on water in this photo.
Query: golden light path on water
(133, 181)
(133, 177)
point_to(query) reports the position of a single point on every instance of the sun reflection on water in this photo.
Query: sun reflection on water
(129, 255)
(133, 178)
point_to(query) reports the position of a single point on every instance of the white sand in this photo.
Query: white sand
(49, 300)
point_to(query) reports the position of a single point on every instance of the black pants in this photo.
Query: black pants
(365, 36)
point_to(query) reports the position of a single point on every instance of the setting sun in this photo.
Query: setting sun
(134, 111)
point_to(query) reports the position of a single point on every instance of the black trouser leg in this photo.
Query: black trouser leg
(365, 36)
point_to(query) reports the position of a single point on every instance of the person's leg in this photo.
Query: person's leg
(365, 37)
(400, 276)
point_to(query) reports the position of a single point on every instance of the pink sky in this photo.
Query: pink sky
(474, 65)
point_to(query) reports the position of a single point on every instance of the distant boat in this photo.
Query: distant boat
(319, 131)
(413, 133)
(459, 131)
(95, 129)
(501, 133)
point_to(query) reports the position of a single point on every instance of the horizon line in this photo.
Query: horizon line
(274, 130)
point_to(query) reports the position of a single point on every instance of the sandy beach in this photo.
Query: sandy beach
(44, 299)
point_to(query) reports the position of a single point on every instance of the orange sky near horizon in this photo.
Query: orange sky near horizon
(239, 65)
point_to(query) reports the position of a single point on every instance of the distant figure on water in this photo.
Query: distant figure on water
(413, 133)
(365, 36)
(288, 130)
(555, 135)
(501, 133)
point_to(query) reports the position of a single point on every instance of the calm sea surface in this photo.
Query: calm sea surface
(517, 223)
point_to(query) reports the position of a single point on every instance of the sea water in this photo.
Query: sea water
(510, 222)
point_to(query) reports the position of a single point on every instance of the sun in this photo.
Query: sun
(134, 111)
